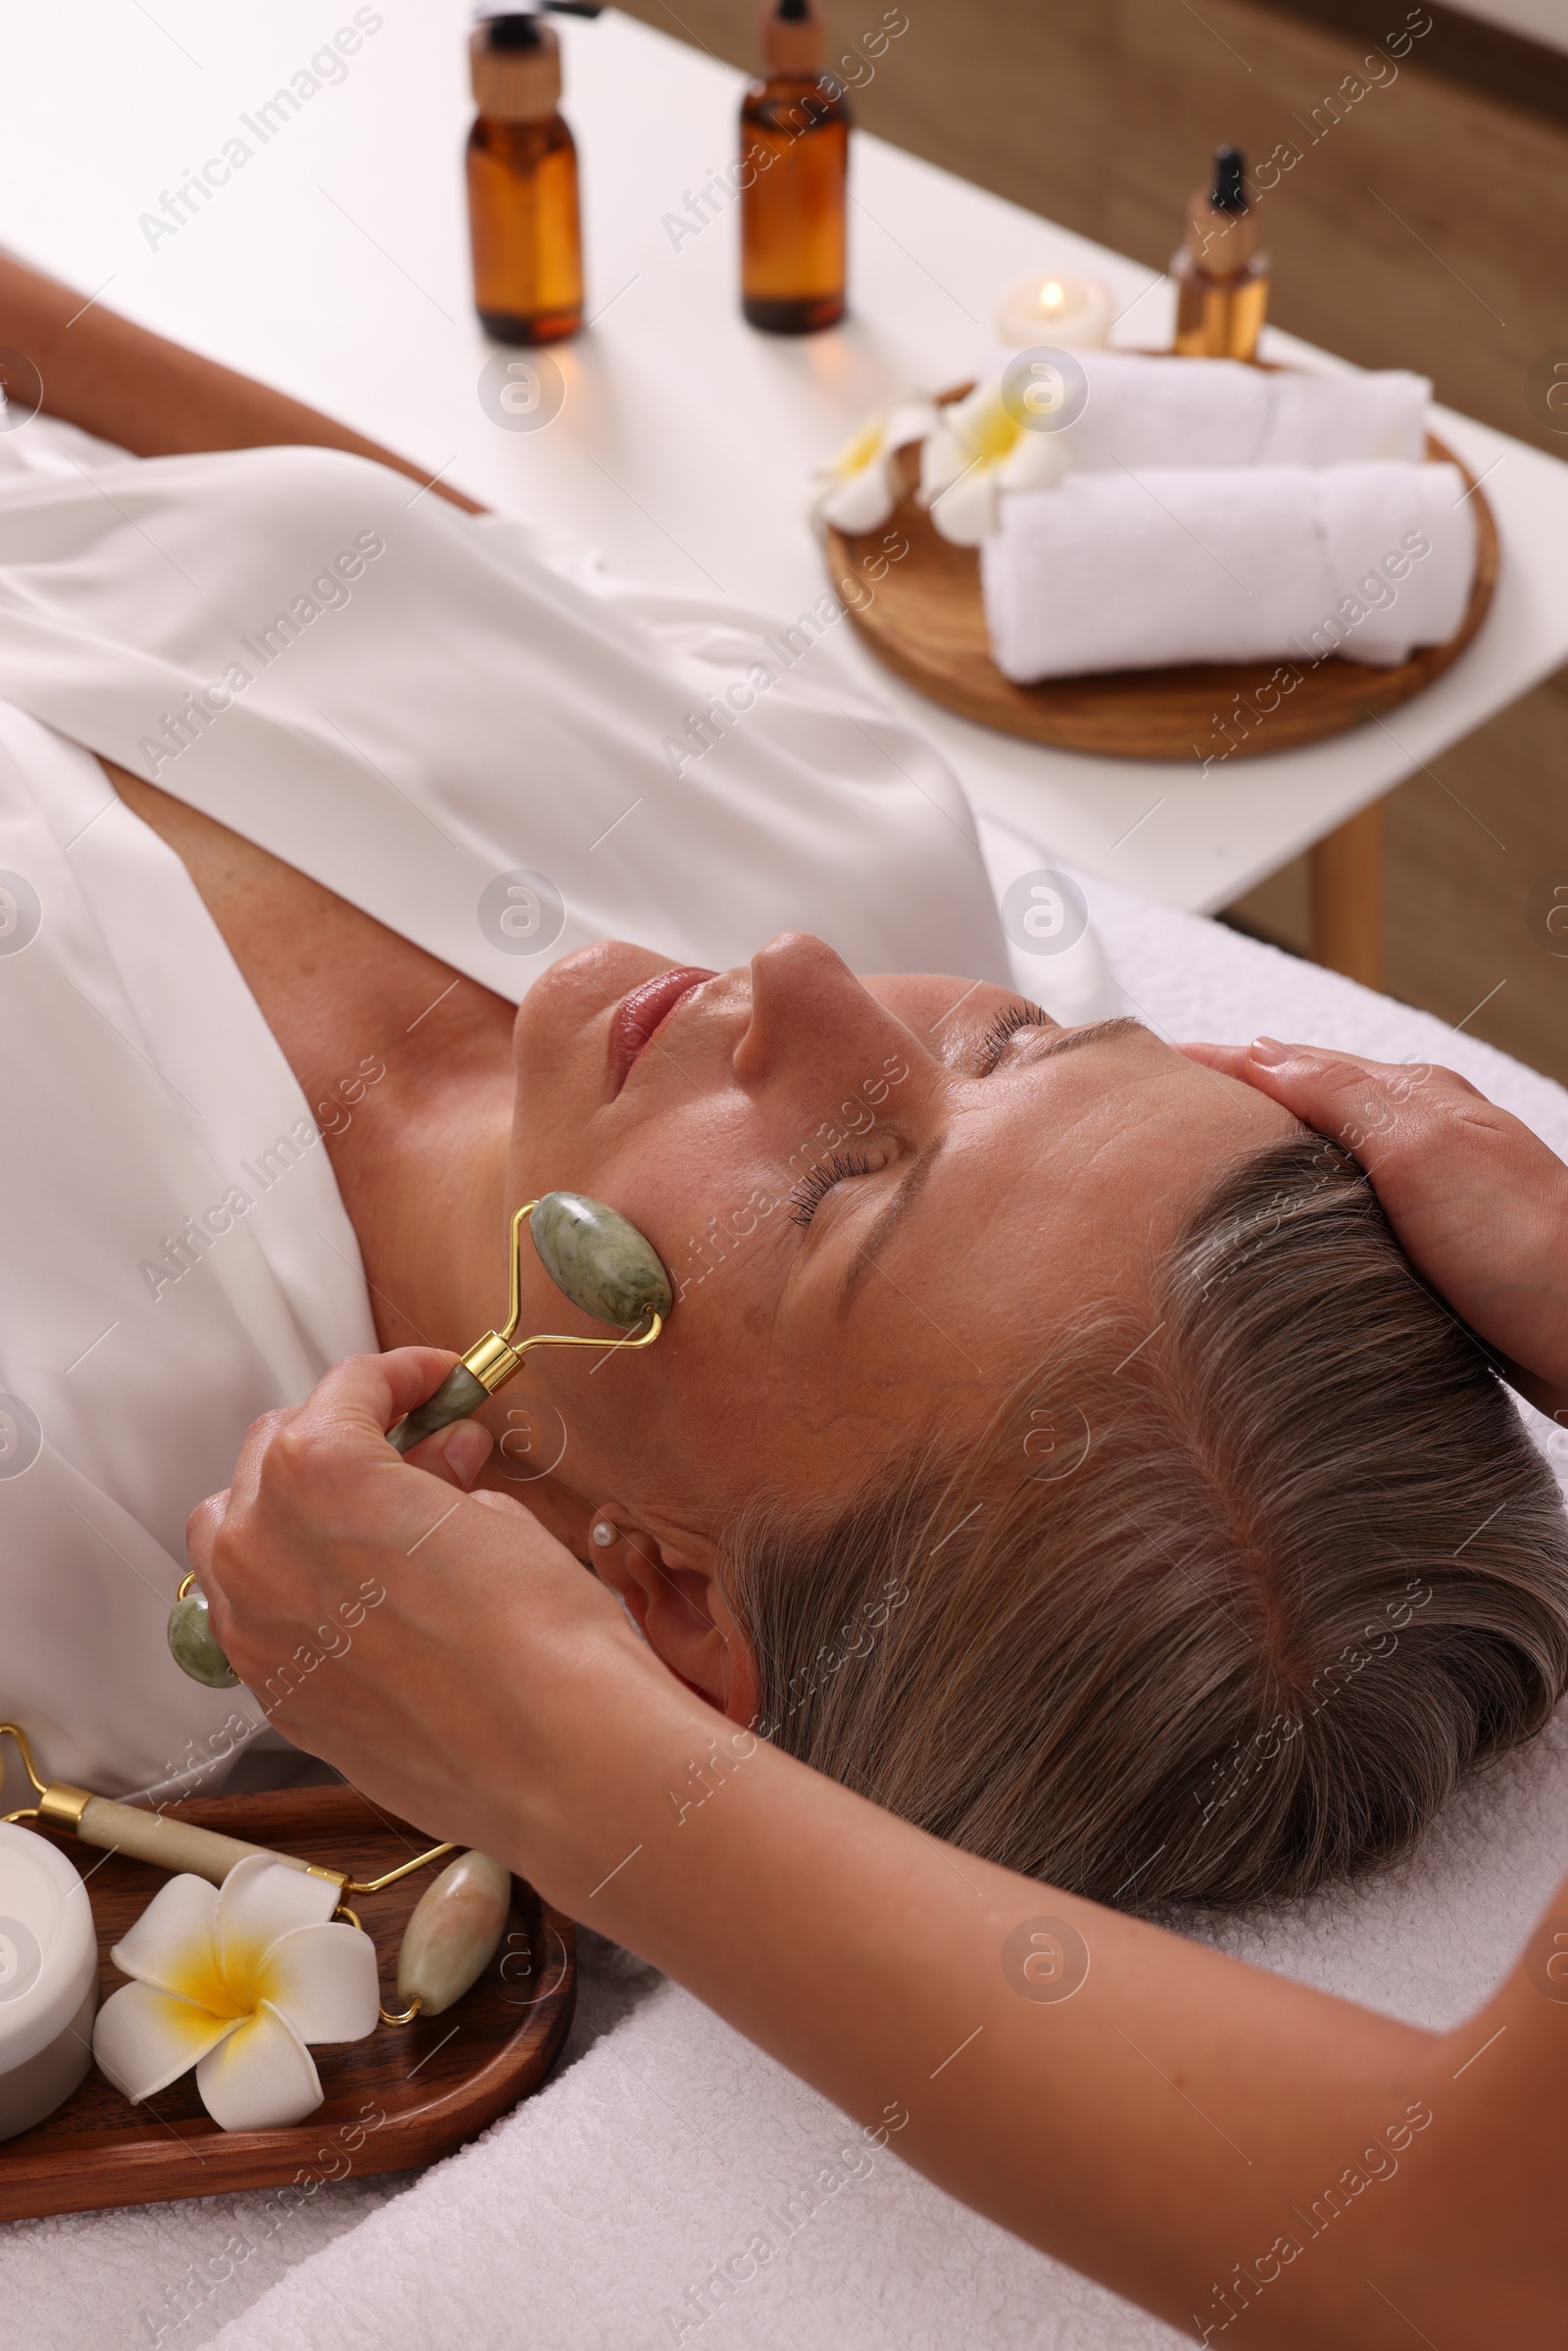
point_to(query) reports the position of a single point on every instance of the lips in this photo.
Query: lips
(645, 1011)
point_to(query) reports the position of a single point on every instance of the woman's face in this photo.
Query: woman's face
(876, 1201)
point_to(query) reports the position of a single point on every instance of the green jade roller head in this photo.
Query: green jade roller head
(592, 1254)
(601, 1262)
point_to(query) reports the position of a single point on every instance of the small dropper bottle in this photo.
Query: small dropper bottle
(1221, 277)
(795, 151)
(522, 184)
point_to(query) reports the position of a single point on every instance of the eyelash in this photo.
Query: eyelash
(815, 1187)
(1008, 1024)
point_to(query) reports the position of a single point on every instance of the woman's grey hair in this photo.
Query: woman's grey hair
(1228, 1601)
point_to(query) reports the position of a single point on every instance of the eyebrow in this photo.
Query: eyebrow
(918, 1173)
(911, 1186)
(1097, 1032)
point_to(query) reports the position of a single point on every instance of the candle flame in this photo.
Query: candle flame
(1052, 294)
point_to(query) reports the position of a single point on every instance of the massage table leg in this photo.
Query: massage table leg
(1347, 898)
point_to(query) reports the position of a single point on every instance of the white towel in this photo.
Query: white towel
(1184, 412)
(1139, 569)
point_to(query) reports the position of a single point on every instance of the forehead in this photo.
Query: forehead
(1064, 1173)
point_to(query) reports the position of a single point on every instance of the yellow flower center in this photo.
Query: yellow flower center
(859, 451)
(988, 434)
(234, 1991)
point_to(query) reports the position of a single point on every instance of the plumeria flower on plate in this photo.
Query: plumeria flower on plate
(857, 490)
(234, 1981)
(980, 447)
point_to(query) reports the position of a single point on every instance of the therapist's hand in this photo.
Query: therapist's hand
(440, 1649)
(1479, 1203)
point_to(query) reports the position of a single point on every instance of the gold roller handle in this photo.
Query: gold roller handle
(168, 1843)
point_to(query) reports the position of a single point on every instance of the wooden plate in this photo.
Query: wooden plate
(926, 622)
(404, 2097)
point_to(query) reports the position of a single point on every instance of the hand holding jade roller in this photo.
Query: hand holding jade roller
(592, 1254)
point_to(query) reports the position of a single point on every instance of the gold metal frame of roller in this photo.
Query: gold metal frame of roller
(493, 1359)
(59, 1806)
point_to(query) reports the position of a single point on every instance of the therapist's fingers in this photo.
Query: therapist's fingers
(1389, 1116)
(436, 1647)
(201, 1532)
(1479, 1203)
(1341, 1094)
(320, 1462)
(456, 1453)
(352, 1406)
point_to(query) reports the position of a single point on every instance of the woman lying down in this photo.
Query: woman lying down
(1049, 1434)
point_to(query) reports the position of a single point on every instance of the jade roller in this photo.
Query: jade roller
(599, 1260)
(592, 1254)
(450, 1938)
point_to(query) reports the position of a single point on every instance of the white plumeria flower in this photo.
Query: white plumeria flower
(234, 1981)
(979, 448)
(859, 489)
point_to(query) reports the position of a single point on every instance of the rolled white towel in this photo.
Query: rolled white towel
(1187, 412)
(1336, 419)
(1128, 571)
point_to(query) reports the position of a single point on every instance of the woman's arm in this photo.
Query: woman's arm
(153, 397)
(1252, 2160)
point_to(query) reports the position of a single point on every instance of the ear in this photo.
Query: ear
(682, 1613)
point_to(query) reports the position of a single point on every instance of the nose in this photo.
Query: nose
(808, 1005)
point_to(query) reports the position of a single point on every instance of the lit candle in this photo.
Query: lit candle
(48, 1979)
(1069, 314)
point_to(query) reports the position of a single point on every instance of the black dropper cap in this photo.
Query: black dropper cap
(1229, 192)
(514, 28)
(514, 31)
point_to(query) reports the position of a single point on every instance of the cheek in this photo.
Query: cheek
(717, 1216)
(704, 1187)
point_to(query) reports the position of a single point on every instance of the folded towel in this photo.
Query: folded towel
(1183, 412)
(1138, 570)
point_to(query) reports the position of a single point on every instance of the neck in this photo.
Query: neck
(424, 1180)
(422, 1171)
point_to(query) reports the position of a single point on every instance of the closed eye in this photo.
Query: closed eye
(815, 1187)
(1019, 1016)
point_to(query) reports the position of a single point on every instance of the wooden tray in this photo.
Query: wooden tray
(404, 2097)
(926, 622)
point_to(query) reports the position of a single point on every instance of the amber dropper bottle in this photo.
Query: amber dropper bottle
(793, 171)
(522, 184)
(1221, 275)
